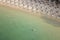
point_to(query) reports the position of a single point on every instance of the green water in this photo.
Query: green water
(18, 25)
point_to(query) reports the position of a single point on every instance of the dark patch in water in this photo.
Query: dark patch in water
(52, 22)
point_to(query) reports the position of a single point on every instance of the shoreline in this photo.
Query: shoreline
(35, 13)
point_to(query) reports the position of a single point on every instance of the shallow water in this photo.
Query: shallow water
(18, 25)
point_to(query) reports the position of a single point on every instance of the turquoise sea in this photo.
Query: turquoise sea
(19, 25)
